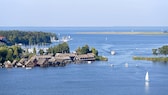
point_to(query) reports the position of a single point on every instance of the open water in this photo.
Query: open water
(98, 78)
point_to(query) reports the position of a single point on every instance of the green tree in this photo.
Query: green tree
(3, 54)
(65, 47)
(9, 54)
(15, 53)
(60, 48)
(41, 51)
(154, 51)
(85, 49)
(78, 51)
(164, 50)
(94, 51)
(27, 37)
(34, 50)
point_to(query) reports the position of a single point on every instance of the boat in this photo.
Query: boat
(53, 39)
(113, 52)
(66, 38)
(112, 65)
(126, 65)
(147, 77)
(28, 68)
(89, 62)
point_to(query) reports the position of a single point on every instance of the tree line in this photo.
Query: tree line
(27, 37)
(10, 53)
(85, 49)
(60, 48)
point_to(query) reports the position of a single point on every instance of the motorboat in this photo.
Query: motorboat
(113, 52)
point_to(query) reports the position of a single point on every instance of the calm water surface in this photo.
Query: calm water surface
(98, 78)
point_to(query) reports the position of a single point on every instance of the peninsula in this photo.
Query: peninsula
(126, 33)
(59, 55)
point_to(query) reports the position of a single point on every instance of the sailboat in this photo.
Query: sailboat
(147, 77)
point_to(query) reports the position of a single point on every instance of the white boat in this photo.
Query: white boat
(53, 39)
(126, 65)
(147, 77)
(27, 68)
(66, 38)
(113, 52)
(112, 65)
(89, 62)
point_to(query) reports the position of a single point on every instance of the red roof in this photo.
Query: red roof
(1, 37)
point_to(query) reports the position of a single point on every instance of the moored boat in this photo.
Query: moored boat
(113, 52)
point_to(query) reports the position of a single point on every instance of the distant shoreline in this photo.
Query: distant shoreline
(126, 33)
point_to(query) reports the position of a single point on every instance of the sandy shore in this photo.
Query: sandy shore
(126, 33)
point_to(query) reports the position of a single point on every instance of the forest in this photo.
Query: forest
(27, 37)
(10, 53)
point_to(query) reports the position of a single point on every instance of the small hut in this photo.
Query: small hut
(8, 64)
(22, 61)
(43, 62)
(14, 62)
(85, 57)
(31, 62)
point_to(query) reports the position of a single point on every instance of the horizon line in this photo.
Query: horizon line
(83, 26)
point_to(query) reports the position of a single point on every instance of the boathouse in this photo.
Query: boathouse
(85, 57)
(67, 56)
(8, 64)
(42, 62)
(31, 62)
(22, 61)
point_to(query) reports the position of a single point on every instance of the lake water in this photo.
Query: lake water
(98, 78)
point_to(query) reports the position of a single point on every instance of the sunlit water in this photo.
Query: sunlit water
(99, 78)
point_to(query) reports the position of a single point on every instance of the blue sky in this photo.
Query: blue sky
(83, 12)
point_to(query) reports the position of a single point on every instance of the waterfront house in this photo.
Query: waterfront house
(22, 61)
(8, 64)
(52, 61)
(63, 58)
(14, 62)
(85, 57)
(19, 65)
(31, 62)
(70, 56)
(43, 57)
(43, 62)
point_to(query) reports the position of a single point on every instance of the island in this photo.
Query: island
(160, 55)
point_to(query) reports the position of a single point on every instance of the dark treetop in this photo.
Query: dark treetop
(27, 37)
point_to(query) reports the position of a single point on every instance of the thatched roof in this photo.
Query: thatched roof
(43, 56)
(41, 61)
(65, 54)
(89, 55)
